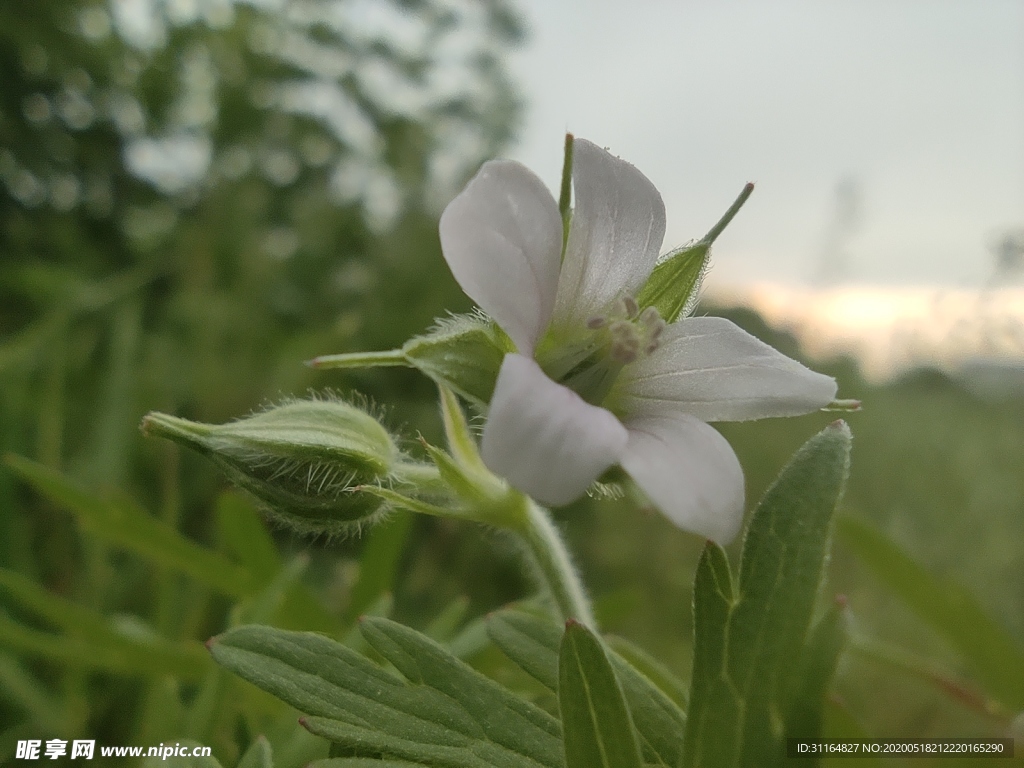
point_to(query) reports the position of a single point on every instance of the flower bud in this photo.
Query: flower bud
(303, 460)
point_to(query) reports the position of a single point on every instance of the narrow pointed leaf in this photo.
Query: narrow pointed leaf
(533, 643)
(378, 563)
(244, 536)
(145, 658)
(450, 716)
(996, 658)
(24, 692)
(745, 645)
(712, 728)
(258, 755)
(816, 666)
(126, 525)
(126, 653)
(596, 724)
(649, 667)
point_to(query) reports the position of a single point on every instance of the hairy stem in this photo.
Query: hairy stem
(554, 564)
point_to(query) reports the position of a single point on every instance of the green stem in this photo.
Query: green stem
(390, 358)
(555, 565)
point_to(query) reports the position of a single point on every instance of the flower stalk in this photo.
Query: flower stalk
(555, 567)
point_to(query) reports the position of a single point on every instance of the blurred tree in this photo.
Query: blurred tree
(195, 195)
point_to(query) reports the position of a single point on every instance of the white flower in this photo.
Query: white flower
(596, 382)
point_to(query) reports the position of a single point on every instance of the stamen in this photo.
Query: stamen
(631, 307)
(597, 322)
(650, 316)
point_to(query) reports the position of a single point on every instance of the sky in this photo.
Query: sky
(886, 139)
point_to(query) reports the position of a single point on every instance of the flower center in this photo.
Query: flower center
(619, 337)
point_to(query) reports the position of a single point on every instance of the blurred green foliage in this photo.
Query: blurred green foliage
(197, 196)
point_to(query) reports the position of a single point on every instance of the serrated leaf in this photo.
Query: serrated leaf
(126, 525)
(464, 353)
(746, 640)
(994, 655)
(596, 725)
(533, 643)
(450, 716)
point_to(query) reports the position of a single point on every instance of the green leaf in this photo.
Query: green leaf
(361, 762)
(994, 655)
(530, 641)
(124, 524)
(713, 728)
(533, 643)
(747, 639)
(378, 563)
(24, 692)
(649, 667)
(463, 353)
(181, 762)
(244, 536)
(115, 650)
(145, 658)
(596, 724)
(450, 715)
(258, 755)
(816, 666)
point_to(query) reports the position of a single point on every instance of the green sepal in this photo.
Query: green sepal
(463, 353)
(674, 285)
(597, 729)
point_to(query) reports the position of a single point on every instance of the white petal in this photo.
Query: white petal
(618, 223)
(712, 369)
(502, 239)
(689, 471)
(544, 438)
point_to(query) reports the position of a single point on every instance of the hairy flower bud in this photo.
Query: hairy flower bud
(304, 460)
